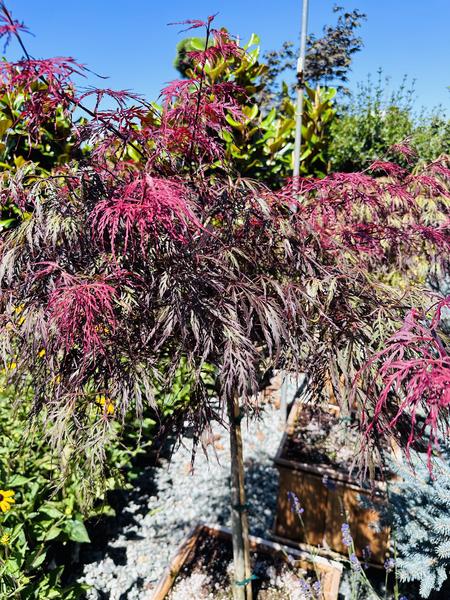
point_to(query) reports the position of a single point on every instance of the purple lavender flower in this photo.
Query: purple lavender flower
(316, 588)
(296, 507)
(347, 539)
(389, 564)
(354, 562)
(306, 589)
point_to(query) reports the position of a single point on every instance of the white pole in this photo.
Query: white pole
(300, 89)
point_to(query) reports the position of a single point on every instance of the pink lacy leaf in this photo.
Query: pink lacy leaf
(144, 207)
(82, 312)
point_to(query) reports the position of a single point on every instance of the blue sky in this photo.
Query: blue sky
(132, 44)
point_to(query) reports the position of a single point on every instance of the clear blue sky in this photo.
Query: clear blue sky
(132, 44)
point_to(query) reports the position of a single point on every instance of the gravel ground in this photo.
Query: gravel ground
(152, 526)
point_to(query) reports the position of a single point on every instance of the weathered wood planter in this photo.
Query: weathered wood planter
(329, 498)
(328, 570)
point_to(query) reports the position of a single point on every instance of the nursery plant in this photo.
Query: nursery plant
(52, 146)
(153, 250)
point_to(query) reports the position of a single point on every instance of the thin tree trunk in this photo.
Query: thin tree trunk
(239, 519)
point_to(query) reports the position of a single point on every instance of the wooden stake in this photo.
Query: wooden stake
(239, 518)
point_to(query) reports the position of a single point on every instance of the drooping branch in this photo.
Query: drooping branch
(15, 31)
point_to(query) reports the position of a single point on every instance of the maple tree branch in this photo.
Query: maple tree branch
(84, 108)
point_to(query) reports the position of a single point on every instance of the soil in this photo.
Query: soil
(208, 574)
(324, 439)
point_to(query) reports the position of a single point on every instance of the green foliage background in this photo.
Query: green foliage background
(372, 120)
(56, 147)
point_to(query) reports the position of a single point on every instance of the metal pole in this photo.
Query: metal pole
(300, 89)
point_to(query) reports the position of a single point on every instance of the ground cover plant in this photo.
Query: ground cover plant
(151, 256)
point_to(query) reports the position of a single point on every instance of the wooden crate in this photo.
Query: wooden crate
(329, 499)
(330, 571)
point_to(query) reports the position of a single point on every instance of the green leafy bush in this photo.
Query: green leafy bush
(431, 136)
(262, 147)
(44, 516)
(56, 146)
(372, 121)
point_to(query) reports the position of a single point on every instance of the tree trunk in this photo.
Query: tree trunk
(239, 519)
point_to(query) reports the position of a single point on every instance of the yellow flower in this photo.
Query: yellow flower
(5, 539)
(12, 365)
(18, 310)
(105, 402)
(41, 353)
(6, 499)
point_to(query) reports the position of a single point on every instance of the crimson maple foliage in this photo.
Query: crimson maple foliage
(414, 366)
(145, 252)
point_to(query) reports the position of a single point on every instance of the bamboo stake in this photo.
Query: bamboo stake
(239, 518)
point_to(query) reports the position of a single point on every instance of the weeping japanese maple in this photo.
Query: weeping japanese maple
(142, 255)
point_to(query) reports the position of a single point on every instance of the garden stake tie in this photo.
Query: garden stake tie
(242, 588)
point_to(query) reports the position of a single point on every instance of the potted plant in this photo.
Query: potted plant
(315, 460)
(207, 551)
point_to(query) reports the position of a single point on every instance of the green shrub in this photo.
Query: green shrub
(431, 137)
(372, 121)
(49, 511)
(56, 147)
